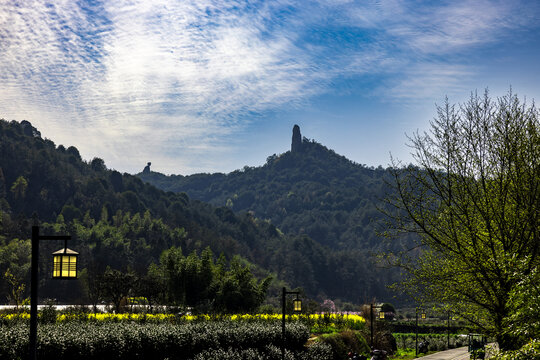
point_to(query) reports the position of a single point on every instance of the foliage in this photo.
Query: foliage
(142, 341)
(19, 187)
(116, 286)
(344, 342)
(317, 351)
(114, 219)
(524, 301)
(405, 354)
(324, 201)
(14, 266)
(335, 322)
(16, 289)
(48, 315)
(432, 328)
(529, 351)
(437, 342)
(193, 280)
(473, 199)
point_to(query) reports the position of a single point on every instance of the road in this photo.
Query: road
(452, 354)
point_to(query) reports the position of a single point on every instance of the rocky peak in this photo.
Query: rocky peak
(146, 169)
(296, 145)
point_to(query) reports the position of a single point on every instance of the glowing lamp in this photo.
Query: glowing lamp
(297, 305)
(65, 264)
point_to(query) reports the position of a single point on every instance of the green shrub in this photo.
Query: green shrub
(529, 351)
(344, 342)
(48, 315)
(271, 352)
(437, 342)
(132, 340)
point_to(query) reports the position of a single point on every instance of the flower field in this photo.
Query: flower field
(318, 323)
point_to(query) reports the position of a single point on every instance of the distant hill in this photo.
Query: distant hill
(305, 216)
(115, 219)
(310, 190)
(314, 193)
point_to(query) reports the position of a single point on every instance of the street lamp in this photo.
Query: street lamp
(65, 264)
(297, 304)
(64, 267)
(423, 316)
(381, 316)
(297, 307)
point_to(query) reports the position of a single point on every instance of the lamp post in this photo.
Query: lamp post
(297, 307)
(381, 316)
(64, 267)
(423, 315)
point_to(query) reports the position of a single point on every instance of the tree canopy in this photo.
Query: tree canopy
(474, 199)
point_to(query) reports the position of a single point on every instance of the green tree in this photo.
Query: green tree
(239, 290)
(116, 286)
(16, 289)
(93, 287)
(152, 286)
(473, 199)
(18, 188)
(98, 164)
(14, 264)
(2, 184)
(171, 263)
(524, 321)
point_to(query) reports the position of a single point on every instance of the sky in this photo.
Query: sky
(213, 86)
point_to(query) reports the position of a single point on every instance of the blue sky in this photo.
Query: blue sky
(205, 86)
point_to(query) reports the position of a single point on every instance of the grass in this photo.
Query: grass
(407, 354)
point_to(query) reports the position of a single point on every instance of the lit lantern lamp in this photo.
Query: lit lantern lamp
(65, 264)
(381, 315)
(297, 305)
(423, 315)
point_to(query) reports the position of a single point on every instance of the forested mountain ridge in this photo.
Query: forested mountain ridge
(39, 177)
(311, 191)
(114, 219)
(120, 221)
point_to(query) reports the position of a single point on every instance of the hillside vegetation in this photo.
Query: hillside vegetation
(313, 191)
(118, 220)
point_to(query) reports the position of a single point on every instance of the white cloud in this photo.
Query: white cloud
(429, 81)
(138, 80)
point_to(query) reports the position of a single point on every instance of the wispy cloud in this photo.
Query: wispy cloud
(137, 80)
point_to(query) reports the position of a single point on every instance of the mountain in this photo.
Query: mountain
(309, 190)
(121, 221)
(313, 193)
(115, 219)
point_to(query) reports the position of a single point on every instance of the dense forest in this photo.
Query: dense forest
(118, 221)
(311, 191)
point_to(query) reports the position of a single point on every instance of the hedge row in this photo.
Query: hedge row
(317, 351)
(77, 340)
(410, 327)
(437, 342)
